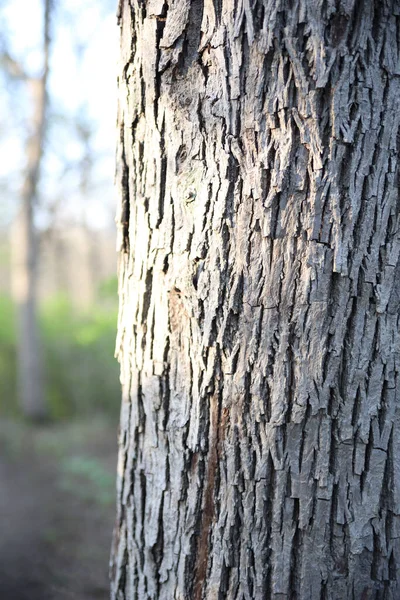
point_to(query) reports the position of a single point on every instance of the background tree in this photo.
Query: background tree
(258, 165)
(24, 239)
(56, 166)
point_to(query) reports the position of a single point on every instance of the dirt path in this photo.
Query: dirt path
(56, 514)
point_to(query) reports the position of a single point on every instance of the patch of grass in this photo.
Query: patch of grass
(86, 477)
(81, 451)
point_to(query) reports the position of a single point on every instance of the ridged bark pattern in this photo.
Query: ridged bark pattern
(259, 243)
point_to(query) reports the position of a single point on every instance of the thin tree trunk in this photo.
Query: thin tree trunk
(25, 248)
(259, 301)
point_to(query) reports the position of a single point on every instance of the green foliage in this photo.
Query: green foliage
(81, 373)
(8, 374)
(108, 289)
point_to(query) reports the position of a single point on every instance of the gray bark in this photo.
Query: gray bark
(25, 248)
(259, 300)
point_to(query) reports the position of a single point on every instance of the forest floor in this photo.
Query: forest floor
(57, 510)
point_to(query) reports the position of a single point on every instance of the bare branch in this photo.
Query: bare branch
(13, 67)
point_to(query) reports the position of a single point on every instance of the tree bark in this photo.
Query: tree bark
(25, 248)
(259, 300)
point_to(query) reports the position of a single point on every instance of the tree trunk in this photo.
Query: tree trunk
(25, 248)
(259, 327)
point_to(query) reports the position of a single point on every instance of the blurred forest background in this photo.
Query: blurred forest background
(59, 380)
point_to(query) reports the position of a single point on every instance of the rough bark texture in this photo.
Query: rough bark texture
(259, 292)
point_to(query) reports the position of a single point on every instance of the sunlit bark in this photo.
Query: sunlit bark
(259, 301)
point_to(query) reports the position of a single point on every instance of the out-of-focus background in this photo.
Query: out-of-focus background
(59, 380)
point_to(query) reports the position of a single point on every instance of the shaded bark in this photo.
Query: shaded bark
(259, 300)
(25, 247)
